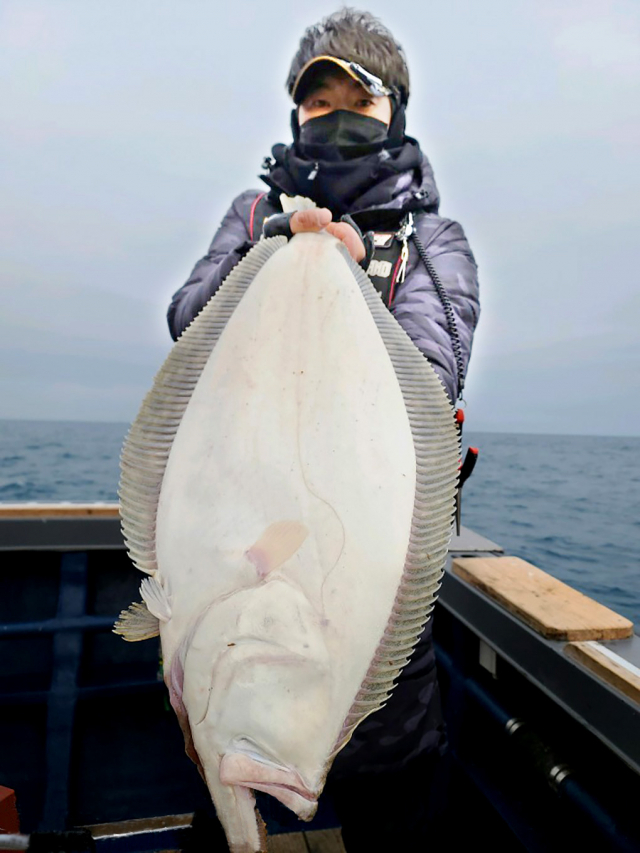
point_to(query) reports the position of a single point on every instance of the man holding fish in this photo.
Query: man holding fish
(375, 192)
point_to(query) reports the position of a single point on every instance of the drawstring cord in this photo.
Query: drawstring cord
(407, 231)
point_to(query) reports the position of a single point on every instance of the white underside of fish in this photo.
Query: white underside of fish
(288, 485)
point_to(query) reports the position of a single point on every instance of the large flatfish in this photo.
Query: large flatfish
(288, 487)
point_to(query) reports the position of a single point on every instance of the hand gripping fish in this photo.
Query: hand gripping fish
(288, 487)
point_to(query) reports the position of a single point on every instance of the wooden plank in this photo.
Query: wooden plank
(59, 510)
(287, 842)
(554, 609)
(325, 841)
(139, 824)
(608, 666)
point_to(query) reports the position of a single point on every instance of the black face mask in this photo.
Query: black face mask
(335, 176)
(339, 135)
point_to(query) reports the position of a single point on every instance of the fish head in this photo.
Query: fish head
(255, 685)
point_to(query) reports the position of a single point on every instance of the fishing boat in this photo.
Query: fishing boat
(540, 684)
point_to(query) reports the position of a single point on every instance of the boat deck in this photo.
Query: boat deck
(322, 841)
(543, 722)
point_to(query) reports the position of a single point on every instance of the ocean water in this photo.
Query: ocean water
(568, 504)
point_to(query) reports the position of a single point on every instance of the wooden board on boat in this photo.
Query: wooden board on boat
(59, 510)
(135, 826)
(608, 666)
(317, 841)
(554, 609)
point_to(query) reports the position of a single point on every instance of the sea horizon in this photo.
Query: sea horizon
(468, 427)
(567, 503)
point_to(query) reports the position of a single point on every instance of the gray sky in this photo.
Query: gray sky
(128, 126)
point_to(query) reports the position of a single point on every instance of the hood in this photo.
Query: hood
(395, 180)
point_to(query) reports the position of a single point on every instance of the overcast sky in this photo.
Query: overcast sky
(127, 127)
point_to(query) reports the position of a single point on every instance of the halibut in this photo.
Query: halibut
(288, 488)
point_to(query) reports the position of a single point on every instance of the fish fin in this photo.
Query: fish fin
(296, 202)
(137, 623)
(278, 543)
(148, 443)
(155, 597)
(437, 449)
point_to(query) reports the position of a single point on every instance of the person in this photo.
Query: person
(376, 192)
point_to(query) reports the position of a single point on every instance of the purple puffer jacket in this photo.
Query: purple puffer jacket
(410, 724)
(416, 305)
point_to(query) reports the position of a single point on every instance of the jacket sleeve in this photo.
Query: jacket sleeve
(230, 243)
(417, 306)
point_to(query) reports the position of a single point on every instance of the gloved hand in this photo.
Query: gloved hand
(316, 219)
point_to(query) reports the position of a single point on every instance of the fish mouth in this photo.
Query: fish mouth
(286, 785)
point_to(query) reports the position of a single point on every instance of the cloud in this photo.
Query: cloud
(592, 36)
(574, 386)
(127, 129)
